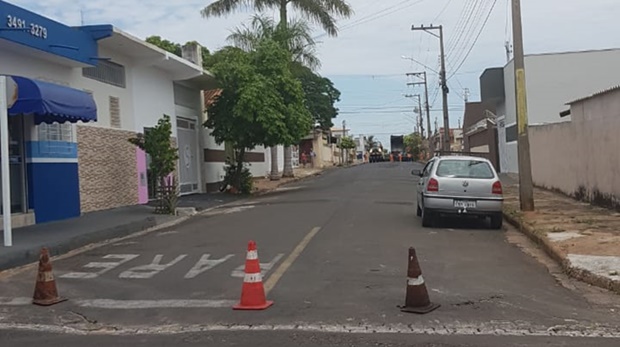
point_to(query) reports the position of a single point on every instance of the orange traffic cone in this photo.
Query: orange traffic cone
(252, 293)
(416, 300)
(45, 293)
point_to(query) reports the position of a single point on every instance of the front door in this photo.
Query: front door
(16, 166)
(188, 155)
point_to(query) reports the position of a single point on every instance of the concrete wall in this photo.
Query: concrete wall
(581, 154)
(154, 97)
(552, 80)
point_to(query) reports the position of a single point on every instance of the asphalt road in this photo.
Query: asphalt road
(334, 256)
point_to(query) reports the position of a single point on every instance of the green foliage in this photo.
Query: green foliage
(322, 12)
(156, 142)
(177, 49)
(370, 142)
(166, 45)
(320, 95)
(413, 144)
(241, 180)
(261, 102)
(347, 143)
(296, 37)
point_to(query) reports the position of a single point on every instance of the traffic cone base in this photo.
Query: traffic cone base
(240, 306)
(421, 310)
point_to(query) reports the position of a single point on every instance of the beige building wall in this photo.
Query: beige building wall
(107, 168)
(581, 156)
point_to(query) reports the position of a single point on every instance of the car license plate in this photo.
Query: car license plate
(464, 204)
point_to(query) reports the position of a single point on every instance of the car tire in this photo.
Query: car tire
(497, 221)
(419, 211)
(427, 219)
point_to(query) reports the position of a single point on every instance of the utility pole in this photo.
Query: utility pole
(420, 121)
(426, 103)
(444, 83)
(466, 93)
(526, 189)
(344, 129)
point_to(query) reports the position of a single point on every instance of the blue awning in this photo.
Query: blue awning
(50, 102)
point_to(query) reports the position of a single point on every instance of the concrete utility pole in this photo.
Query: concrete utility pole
(344, 129)
(466, 93)
(420, 122)
(526, 189)
(444, 83)
(426, 103)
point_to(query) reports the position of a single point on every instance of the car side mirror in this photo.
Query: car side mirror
(416, 173)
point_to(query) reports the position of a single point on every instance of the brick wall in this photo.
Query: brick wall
(107, 168)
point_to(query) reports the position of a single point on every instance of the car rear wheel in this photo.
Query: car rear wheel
(497, 221)
(427, 219)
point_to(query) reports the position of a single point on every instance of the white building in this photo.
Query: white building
(552, 80)
(124, 84)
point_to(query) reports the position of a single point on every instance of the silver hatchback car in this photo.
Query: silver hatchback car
(459, 185)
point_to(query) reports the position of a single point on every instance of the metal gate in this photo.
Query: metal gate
(188, 156)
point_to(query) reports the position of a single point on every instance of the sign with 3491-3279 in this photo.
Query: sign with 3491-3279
(34, 29)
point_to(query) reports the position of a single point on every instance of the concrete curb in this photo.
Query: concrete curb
(580, 274)
(60, 247)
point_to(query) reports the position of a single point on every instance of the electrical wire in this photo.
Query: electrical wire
(475, 40)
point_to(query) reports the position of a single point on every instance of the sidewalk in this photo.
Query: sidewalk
(67, 235)
(265, 185)
(584, 239)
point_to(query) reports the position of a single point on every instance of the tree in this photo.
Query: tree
(166, 45)
(413, 144)
(296, 38)
(370, 142)
(322, 12)
(261, 102)
(321, 95)
(157, 144)
(177, 49)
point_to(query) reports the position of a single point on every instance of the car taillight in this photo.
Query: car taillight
(433, 185)
(497, 188)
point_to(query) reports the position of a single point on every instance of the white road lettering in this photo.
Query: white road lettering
(105, 266)
(264, 267)
(205, 264)
(152, 269)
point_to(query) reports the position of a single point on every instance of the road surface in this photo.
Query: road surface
(333, 252)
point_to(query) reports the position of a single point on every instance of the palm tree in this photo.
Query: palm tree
(321, 12)
(296, 36)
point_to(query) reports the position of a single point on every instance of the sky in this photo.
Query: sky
(366, 60)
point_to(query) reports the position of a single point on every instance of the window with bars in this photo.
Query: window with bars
(107, 72)
(115, 112)
(55, 132)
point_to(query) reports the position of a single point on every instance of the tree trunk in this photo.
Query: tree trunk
(288, 162)
(275, 172)
(240, 159)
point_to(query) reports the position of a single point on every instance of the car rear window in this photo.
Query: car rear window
(465, 169)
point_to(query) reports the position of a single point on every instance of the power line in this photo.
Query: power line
(375, 16)
(476, 39)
